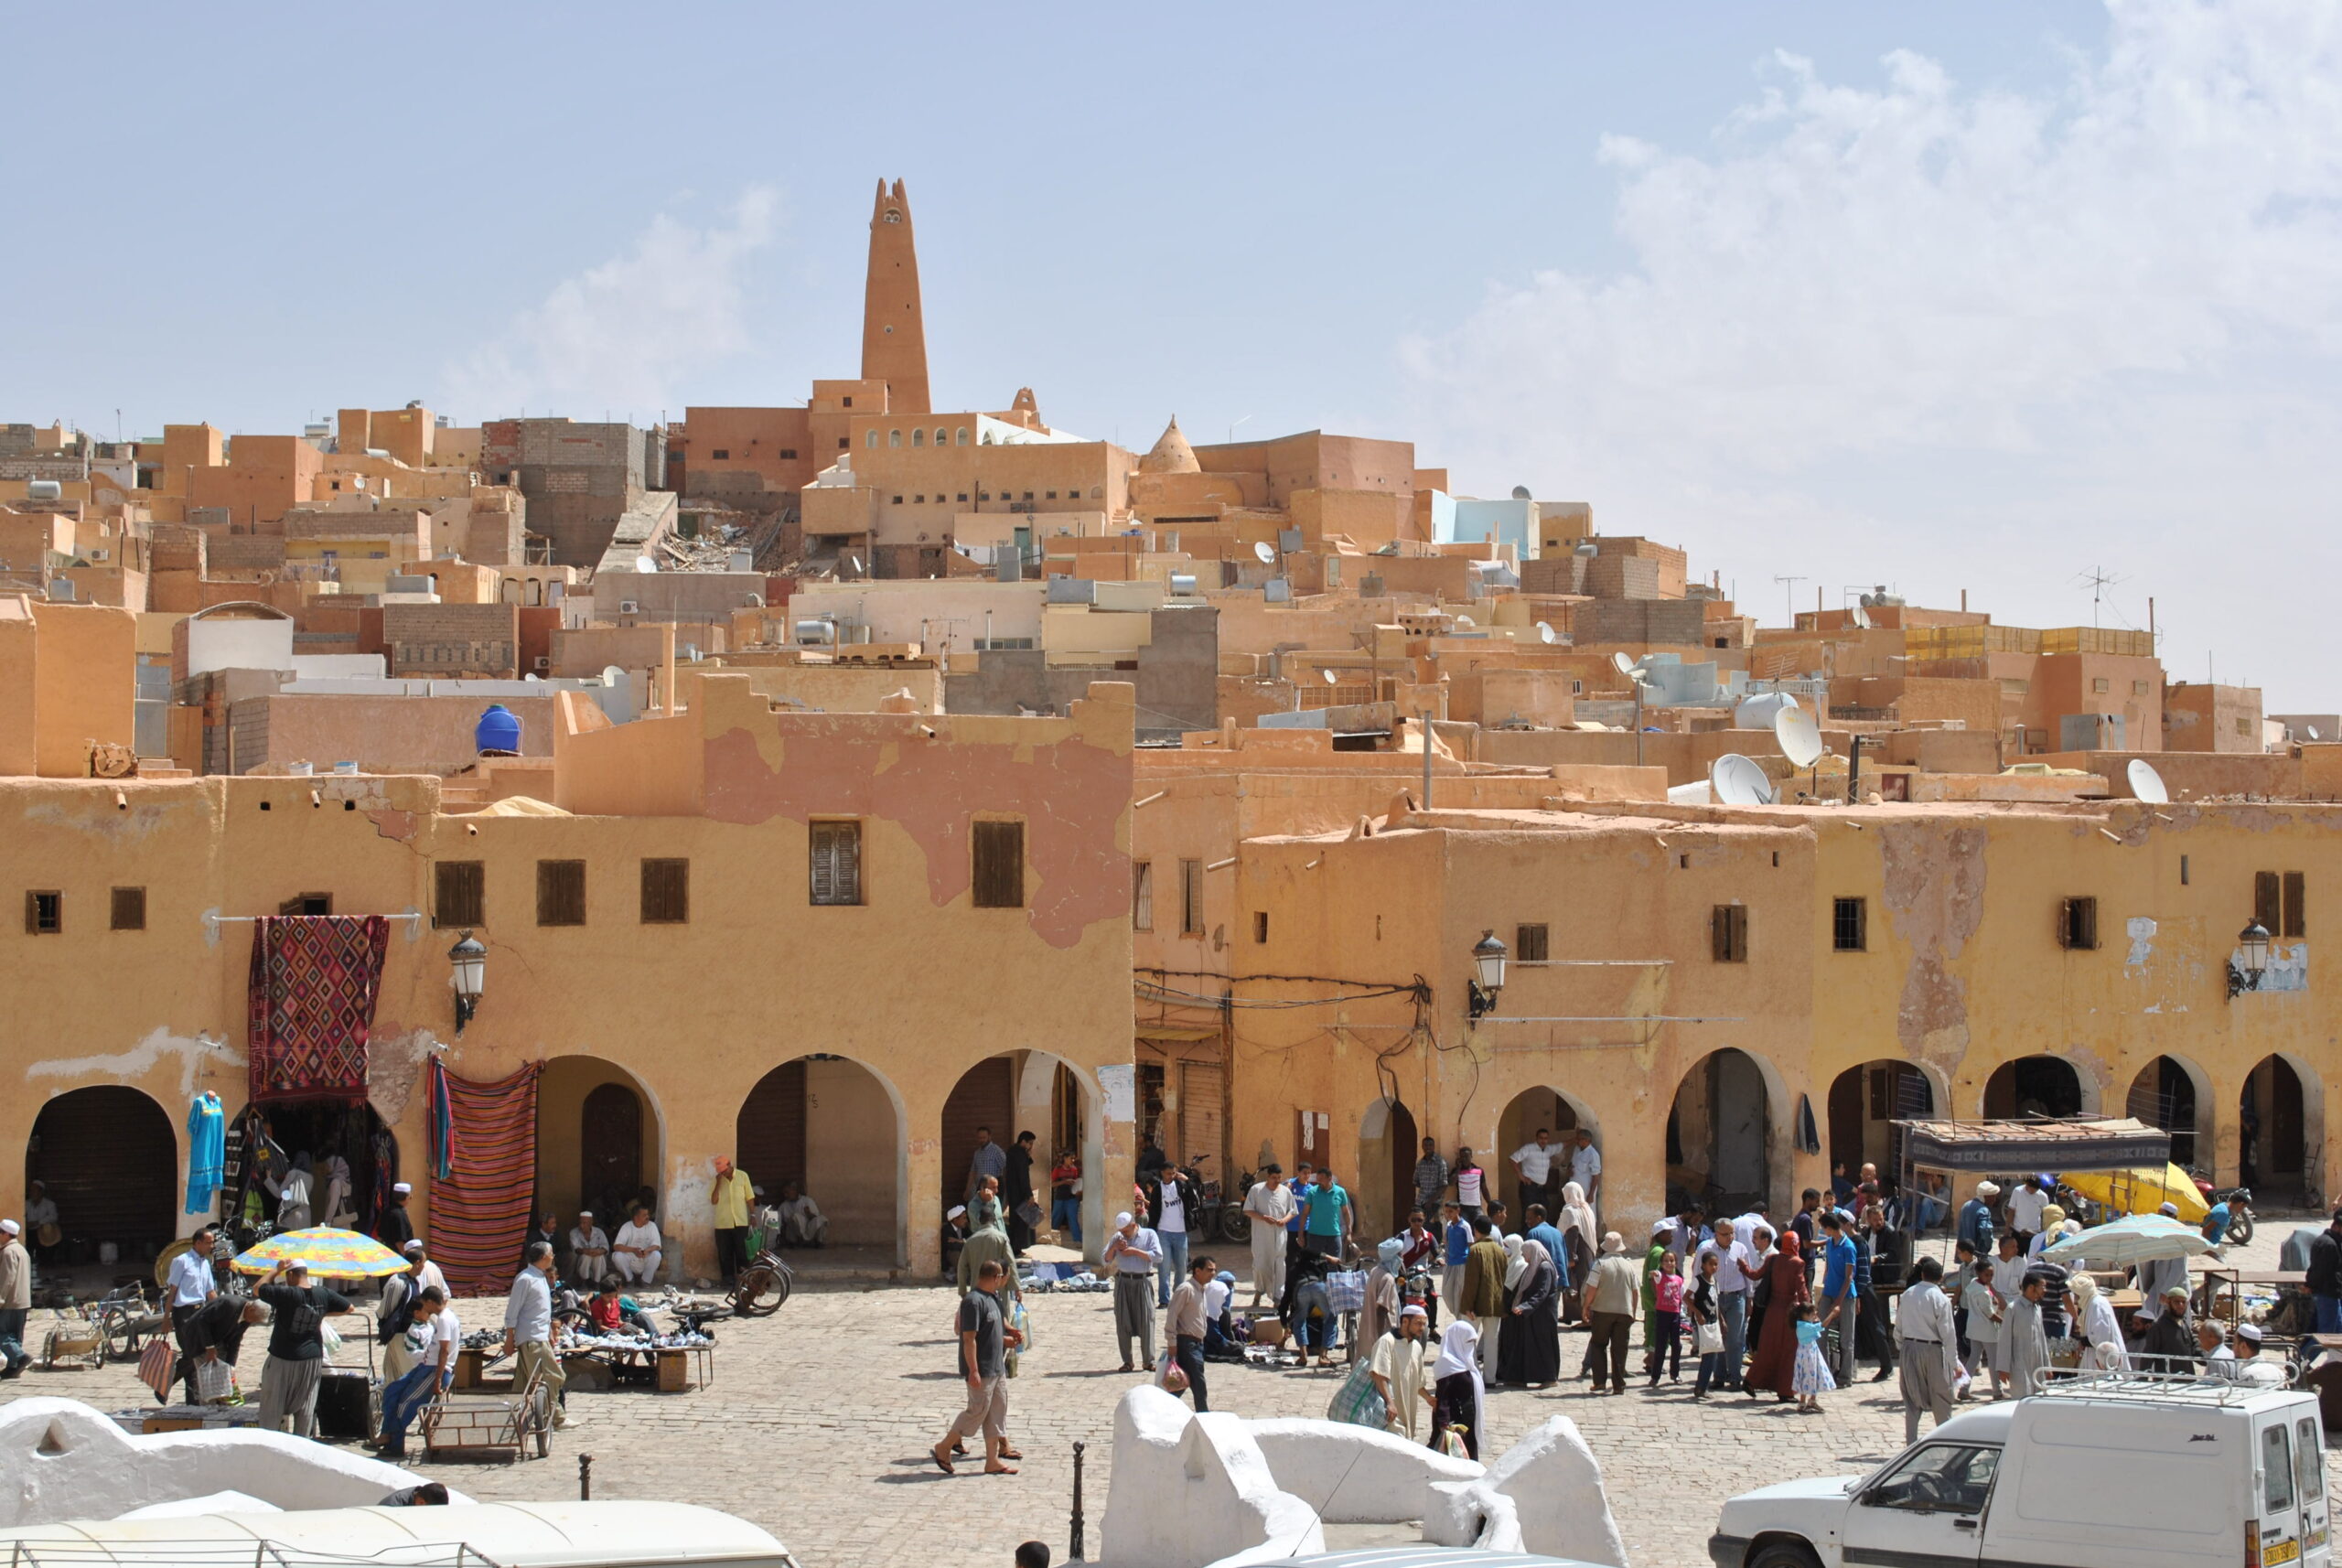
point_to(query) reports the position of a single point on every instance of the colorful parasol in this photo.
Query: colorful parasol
(330, 1254)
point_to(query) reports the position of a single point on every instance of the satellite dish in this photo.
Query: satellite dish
(1862, 617)
(1587, 547)
(1521, 492)
(2146, 783)
(1799, 734)
(1546, 633)
(1265, 552)
(613, 676)
(1738, 781)
(645, 564)
(1623, 665)
(1759, 711)
(2313, 731)
(854, 564)
(1331, 679)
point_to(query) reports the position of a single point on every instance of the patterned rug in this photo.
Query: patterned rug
(314, 982)
(484, 1170)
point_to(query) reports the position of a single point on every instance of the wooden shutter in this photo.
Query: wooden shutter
(1531, 944)
(999, 852)
(1191, 897)
(985, 1096)
(2267, 906)
(666, 892)
(768, 1138)
(129, 910)
(2296, 917)
(1142, 896)
(459, 892)
(836, 849)
(560, 892)
(1200, 1117)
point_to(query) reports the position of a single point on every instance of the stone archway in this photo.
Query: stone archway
(837, 1126)
(1723, 1135)
(598, 1143)
(2174, 1094)
(108, 1157)
(2036, 1086)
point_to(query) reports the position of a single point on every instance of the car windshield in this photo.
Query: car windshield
(1951, 1477)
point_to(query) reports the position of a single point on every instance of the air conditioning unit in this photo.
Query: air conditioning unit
(543, 661)
(629, 607)
(100, 554)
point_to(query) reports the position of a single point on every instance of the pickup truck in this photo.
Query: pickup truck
(2111, 1471)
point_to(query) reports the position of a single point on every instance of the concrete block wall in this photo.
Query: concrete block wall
(452, 640)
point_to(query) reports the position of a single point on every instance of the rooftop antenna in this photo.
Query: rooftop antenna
(2098, 580)
(1788, 592)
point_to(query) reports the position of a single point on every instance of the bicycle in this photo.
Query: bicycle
(763, 1285)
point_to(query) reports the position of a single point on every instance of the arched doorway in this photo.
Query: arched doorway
(2034, 1086)
(2170, 1093)
(1542, 1107)
(1005, 1096)
(2280, 1131)
(837, 1128)
(108, 1158)
(597, 1142)
(1720, 1134)
(1384, 1185)
(1865, 1103)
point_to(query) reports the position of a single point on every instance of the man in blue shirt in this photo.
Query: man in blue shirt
(1326, 1213)
(1301, 1177)
(1543, 1232)
(1838, 1303)
(1975, 1226)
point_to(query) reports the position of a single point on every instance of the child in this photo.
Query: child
(1458, 1236)
(1983, 1304)
(1810, 1378)
(1667, 1320)
(1702, 1304)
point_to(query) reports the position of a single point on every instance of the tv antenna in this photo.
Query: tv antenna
(2096, 580)
(1789, 594)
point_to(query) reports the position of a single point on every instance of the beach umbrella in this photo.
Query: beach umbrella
(330, 1254)
(2134, 1238)
(2143, 1191)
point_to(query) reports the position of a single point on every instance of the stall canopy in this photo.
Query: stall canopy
(2025, 1145)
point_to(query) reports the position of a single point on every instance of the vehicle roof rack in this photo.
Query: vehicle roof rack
(2190, 1390)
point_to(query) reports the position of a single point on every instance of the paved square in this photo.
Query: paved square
(819, 1418)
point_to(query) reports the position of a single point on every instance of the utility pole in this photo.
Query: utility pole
(1788, 595)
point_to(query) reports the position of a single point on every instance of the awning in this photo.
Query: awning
(2025, 1145)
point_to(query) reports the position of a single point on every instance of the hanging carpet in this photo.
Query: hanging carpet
(315, 979)
(484, 1172)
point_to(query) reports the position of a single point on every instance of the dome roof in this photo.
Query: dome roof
(1171, 455)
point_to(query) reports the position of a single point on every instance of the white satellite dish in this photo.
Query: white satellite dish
(854, 564)
(1697, 794)
(2313, 731)
(613, 676)
(1331, 679)
(1862, 617)
(1759, 711)
(1738, 781)
(1623, 665)
(1546, 633)
(645, 564)
(1799, 734)
(2146, 783)
(1265, 552)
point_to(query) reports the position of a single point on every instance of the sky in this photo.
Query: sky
(1993, 298)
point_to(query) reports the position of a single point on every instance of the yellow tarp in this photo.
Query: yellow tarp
(2143, 1191)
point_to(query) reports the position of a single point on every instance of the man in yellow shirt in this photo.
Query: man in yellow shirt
(730, 1197)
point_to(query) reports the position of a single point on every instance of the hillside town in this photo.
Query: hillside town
(882, 846)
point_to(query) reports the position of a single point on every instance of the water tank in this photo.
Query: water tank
(44, 490)
(498, 731)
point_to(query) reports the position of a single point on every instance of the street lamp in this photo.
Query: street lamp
(1487, 973)
(2245, 971)
(470, 961)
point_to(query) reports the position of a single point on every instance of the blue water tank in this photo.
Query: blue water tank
(498, 730)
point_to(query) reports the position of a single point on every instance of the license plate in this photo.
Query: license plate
(2283, 1552)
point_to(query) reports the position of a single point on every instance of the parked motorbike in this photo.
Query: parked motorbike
(2240, 1202)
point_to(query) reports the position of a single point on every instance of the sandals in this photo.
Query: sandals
(942, 1460)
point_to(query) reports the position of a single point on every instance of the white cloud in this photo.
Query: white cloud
(629, 333)
(1964, 337)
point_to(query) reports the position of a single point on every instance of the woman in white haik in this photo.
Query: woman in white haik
(2100, 1335)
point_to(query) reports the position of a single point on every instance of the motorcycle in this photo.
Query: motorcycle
(2240, 1202)
(1217, 1213)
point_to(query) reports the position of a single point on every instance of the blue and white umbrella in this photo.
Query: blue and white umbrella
(2133, 1238)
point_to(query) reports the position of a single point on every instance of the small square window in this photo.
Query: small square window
(1528, 943)
(2078, 925)
(129, 910)
(44, 914)
(787, 454)
(458, 893)
(666, 892)
(919, 500)
(2141, 688)
(1053, 495)
(560, 892)
(842, 442)
(2101, 684)
(1850, 925)
(836, 871)
(898, 501)
(962, 496)
(721, 453)
(1728, 933)
(847, 401)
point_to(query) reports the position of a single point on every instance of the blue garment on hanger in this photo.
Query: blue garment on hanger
(207, 1151)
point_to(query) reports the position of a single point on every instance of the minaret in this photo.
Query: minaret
(894, 333)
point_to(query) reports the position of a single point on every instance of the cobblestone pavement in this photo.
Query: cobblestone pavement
(819, 1420)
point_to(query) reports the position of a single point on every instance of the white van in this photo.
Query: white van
(2112, 1470)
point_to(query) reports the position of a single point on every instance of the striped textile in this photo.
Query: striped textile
(479, 1208)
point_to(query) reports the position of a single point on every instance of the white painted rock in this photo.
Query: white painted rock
(1554, 1479)
(1352, 1473)
(1191, 1490)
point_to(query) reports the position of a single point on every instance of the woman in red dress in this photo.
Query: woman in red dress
(1784, 1295)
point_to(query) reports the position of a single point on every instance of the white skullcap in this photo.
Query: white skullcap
(403, 1189)
(956, 1210)
(1122, 1219)
(11, 1227)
